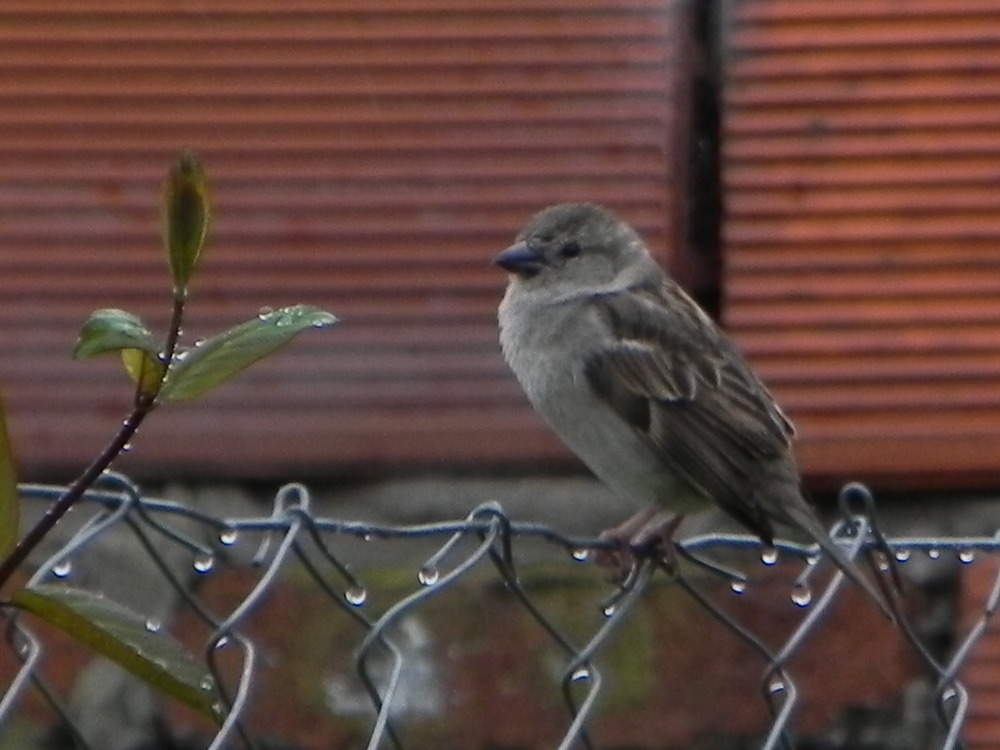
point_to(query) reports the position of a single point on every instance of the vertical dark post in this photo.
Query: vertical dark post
(696, 259)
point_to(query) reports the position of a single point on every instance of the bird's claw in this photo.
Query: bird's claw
(646, 535)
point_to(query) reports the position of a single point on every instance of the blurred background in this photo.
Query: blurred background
(823, 176)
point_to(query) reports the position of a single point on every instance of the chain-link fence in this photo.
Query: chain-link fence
(167, 550)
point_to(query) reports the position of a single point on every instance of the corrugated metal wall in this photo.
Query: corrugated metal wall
(862, 178)
(368, 156)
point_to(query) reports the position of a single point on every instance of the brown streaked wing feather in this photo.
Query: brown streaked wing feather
(679, 381)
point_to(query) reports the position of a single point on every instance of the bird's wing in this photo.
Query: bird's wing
(679, 381)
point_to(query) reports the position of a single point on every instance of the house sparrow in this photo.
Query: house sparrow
(642, 385)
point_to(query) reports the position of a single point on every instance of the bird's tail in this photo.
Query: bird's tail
(802, 516)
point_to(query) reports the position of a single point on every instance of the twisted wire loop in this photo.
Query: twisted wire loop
(485, 545)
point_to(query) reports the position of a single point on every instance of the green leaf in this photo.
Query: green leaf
(126, 638)
(9, 501)
(215, 360)
(185, 217)
(112, 330)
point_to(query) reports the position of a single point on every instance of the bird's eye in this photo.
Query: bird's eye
(570, 250)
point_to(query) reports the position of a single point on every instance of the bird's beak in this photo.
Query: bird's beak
(520, 259)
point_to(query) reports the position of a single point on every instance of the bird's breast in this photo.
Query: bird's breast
(549, 360)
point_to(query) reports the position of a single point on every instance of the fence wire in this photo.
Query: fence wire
(486, 539)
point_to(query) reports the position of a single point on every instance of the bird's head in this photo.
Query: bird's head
(576, 247)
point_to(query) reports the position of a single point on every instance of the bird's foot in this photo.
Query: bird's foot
(647, 534)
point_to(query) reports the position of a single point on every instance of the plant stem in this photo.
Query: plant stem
(144, 404)
(174, 331)
(74, 491)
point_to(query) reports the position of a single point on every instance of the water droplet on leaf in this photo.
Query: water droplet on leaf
(322, 320)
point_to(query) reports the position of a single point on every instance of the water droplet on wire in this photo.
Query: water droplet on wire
(228, 537)
(802, 595)
(580, 674)
(882, 562)
(738, 585)
(581, 554)
(203, 562)
(428, 575)
(153, 625)
(933, 553)
(63, 568)
(776, 685)
(356, 595)
(902, 555)
(769, 556)
(966, 556)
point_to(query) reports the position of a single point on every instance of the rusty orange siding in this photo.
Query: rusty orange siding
(862, 156)
(368, 157)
